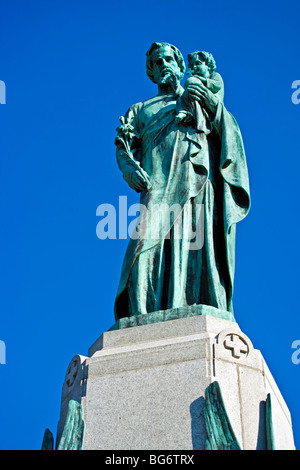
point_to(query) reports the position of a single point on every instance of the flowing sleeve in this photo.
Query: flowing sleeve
(233, 165)
(234, 171)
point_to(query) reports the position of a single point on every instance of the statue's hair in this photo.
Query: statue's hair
(177, 55)
(206, 57)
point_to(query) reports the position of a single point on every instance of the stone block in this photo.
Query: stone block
(142, 387)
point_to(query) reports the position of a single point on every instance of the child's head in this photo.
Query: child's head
(201, 63)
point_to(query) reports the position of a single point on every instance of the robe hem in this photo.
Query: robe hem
(171, 314)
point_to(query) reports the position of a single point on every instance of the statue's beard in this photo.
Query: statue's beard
(169, 78)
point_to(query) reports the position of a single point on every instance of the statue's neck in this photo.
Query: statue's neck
(167, 89)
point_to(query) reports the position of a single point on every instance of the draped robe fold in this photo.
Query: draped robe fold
(186, 168)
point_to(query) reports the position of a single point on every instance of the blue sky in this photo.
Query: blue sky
(71, 68)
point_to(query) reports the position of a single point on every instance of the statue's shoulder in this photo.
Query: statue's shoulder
(145, 104)
(141, 107)
(138, 107)
(154, 99)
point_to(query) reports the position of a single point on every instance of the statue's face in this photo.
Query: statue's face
(199, 67)
(164, 65)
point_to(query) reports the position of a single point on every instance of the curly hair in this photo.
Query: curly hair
(177, 55)
(204, 56)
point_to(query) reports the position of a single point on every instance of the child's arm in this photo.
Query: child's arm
(214, 83)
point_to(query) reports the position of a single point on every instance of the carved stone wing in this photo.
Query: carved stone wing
(220, 435)
(73, 433)
(47, 440)
(269, 425)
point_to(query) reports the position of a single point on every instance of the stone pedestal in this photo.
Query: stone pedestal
(143, 387)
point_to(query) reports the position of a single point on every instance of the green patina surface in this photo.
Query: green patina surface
(183, 152)
(171, 314)
(74, 429)
(270, 438)
(220, 435)
(47, 440)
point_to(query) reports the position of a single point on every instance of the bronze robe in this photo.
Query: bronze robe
(193, 169)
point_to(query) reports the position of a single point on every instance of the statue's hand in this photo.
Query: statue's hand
(206, 98)
(137, 180)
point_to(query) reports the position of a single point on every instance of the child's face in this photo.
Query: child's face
(199, 68)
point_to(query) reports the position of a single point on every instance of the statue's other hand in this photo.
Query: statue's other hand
(138, 180)
(201, 93)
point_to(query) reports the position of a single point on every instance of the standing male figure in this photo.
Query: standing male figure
(171, 163)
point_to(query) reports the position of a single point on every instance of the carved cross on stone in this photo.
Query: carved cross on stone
(236, 344)
(72, 372)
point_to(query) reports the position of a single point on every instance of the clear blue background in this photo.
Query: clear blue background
(71, 68)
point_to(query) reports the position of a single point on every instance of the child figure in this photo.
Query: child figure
(201, 68)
